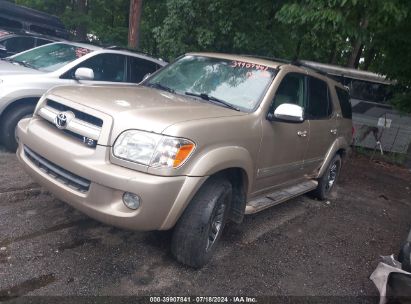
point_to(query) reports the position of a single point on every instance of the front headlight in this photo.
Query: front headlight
(152, 149)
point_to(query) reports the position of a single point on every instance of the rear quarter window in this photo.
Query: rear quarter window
(345, 104)
(139, 67)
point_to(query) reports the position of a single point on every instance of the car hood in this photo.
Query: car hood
(143, 108)
(8, 68)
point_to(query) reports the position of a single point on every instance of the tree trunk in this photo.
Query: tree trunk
(333, 54)
(369, 58)
(355, 54)
(357, 46)
(357, 59)
(81, 29)
(134, 23)
(298, 50)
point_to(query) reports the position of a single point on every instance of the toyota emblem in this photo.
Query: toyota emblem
(62, 119)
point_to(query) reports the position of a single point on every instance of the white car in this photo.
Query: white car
(25, 77)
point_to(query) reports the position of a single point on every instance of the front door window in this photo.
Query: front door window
(106, 67)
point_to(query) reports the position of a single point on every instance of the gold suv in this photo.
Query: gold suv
(206, 139)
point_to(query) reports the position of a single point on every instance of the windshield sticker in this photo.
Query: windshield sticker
(80, 52)
(248, 65)
(258, 74)
(4, 33)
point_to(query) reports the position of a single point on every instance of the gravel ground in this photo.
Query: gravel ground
(303, 247)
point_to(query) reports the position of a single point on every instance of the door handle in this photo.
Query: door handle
(302, 133)
(334, 131)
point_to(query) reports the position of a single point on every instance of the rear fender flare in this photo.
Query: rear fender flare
(338, 144)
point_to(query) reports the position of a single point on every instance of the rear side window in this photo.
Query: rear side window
(138, 68)
(345, 104)
(319, 103)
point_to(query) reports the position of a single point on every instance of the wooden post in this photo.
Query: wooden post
(357, 46)
(81, 29)
(134, 23)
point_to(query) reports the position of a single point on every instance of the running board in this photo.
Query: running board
(263, 202)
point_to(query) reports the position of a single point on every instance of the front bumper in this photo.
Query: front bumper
(163, 199)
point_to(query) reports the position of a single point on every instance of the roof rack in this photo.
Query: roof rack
(281, 60)
(295, 62)
(303, 64)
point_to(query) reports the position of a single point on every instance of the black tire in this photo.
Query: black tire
(9, 124)
(328, 180)
(194, 239)
(404, 257)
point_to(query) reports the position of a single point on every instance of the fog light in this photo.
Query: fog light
(131, 200)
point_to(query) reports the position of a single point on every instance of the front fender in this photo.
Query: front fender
(209, 163)
(9, 96)
(224, 158)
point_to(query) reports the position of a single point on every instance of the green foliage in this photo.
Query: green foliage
(402, 101)
(154, 12)
(109, 20)
(106, 19)
(49, 6)
(334, 25)
(394, 43)
(330, 31)
(224, 26)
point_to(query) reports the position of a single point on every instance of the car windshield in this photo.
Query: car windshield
(50, 57)
(236, 83)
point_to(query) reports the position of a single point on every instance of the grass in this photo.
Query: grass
(389, 157)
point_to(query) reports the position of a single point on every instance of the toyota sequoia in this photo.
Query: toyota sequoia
(207, 139)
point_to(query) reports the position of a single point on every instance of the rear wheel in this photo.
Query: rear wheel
(8, 127)
(198, 230)
(328, 180)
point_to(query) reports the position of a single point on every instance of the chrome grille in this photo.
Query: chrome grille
(79, 115)
(80, 125)
(64, 176)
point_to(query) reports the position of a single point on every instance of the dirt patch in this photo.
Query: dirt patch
(303, 247)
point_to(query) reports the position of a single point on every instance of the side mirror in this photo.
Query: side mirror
(288, 112)
(146, 76)
(84, 74)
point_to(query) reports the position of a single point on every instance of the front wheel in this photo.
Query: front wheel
(8, 126)
(198, 230)
(328, 180)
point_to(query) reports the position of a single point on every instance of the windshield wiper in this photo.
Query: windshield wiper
(26, 64)
(23, 63)
(213, 99)
(160, 86)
